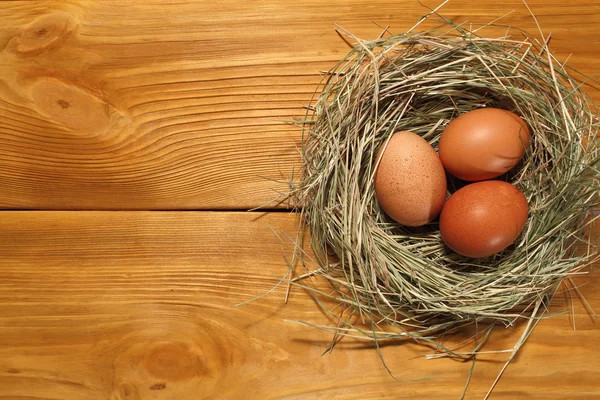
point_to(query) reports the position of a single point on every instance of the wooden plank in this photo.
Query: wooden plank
(178, 105)
(140, 305)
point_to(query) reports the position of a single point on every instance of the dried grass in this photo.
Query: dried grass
(404, 283)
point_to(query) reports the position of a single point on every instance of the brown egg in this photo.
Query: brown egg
(483, 218)
(410, 181)
(483, 144)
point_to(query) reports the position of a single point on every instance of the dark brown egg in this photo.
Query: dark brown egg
(483, 144)
(410, 182)
(483, 218)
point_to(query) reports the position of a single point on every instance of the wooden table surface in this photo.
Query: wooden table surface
(133, 137)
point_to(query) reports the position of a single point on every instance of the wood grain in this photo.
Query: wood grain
(179, 105)
(140, 305)
(164, 105)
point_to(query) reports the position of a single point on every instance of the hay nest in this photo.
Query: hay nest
(404, 282)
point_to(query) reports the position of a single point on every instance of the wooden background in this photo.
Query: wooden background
(133, 137)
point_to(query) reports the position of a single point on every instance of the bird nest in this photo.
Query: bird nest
(404, 282)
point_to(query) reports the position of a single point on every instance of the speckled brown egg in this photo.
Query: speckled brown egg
(483, 144)
(483, 218)
(410, 181)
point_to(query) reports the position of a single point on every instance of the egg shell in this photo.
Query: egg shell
(410, 181)
(483, 218)
(483, 144)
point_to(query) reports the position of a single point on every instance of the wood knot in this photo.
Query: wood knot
(172, 362)
(70, 105)
(158, 386)
(44, 33)
(64, 104)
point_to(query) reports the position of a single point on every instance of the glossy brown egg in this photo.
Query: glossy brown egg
(410, 181)
(483, 144)
(483, 218)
